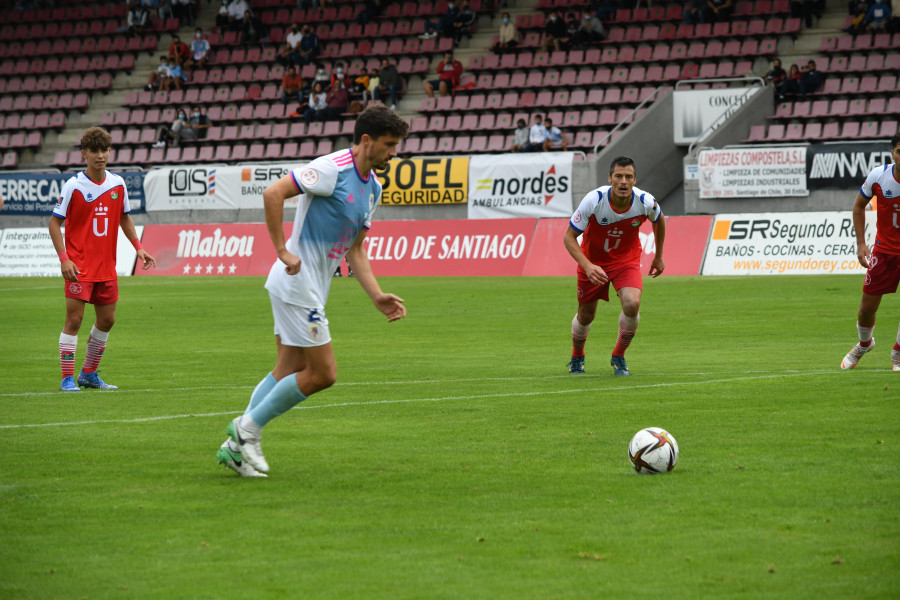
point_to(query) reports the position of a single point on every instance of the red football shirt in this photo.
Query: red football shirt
(610, 239)
(93, 211)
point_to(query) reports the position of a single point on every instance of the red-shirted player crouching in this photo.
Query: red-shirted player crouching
(93, 205)
(608, 219)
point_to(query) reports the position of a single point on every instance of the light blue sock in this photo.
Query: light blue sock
(283, 397)
(262, 390)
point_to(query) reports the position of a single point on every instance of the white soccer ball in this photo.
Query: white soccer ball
(653, 450)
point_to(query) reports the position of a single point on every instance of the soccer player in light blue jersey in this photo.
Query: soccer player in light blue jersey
(338, 194)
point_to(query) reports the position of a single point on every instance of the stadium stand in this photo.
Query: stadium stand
(64, 69)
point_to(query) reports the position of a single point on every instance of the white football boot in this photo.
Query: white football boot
(248, 446)
(855, 354)
(895, 360)
(235, 461)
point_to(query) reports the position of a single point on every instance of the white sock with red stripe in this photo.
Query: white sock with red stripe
(67, 345)
(865, 334)
(95, 347)
(579, 336)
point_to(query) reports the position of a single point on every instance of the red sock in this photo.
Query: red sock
(627, 329)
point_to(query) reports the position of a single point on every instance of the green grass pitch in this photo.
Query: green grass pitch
(455, 457)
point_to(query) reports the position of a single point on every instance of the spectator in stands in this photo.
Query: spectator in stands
(165, 10)
(371, 10)
(804, 9)
(291, 86)
(339, 74)
(317, 103)
(390, 83)
(178, 79)
(509, 36)
(195, 129)
(717, 11)
(178, 51)
(236, 10)
(555, 33)
(309, 46)
(858, 8)
(160, 75)
(877, 18)
(464, 22)
(166, 135)
(556, 139)
(252, 29)
(337, 100)
(184, 11)
(537, 135)
(792, 85)
(138, 19)
(777, 76)
(810, 79)
(152, 7)
(591, 31)
(199, 51)
(360, 83)
(573, 24)
(290, 52)
(449, 71)
(520, 137)
(321, 76)
(373, 79)
(444, 25)
(693, 12)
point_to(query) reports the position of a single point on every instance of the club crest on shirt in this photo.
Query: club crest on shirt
(309, 176)
(636, 223)
(114, 196)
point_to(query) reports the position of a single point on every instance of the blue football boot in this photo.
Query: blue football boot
(92, 380)
(619, 366)
(576, 365)
(68, 385)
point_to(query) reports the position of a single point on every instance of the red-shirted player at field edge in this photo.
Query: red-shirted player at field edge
(883, 262)
(609, 219)
(93, 205)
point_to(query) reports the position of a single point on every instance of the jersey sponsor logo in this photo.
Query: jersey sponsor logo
(101, 214)
(309, 176)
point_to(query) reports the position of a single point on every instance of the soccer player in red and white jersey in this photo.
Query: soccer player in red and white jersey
(93, 205)
(883, 261)
(608, 219)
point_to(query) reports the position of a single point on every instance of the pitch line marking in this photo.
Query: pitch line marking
(789, 372)
(411, 400)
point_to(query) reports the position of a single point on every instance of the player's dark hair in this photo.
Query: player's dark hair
(96, 139)
(895, 140)
(378, 120)
(621, 161)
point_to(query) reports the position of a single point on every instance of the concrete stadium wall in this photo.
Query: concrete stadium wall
(730, 133)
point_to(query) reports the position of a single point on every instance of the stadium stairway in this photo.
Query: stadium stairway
(69, 138)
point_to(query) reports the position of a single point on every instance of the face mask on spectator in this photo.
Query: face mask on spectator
(506, 19)
(196, 114)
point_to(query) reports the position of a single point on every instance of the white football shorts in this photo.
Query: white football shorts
(298, 326)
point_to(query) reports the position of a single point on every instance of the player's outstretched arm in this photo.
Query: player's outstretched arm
(659, 233)
(127, 225)
(67, 267)
(859, 226)
(273, 202)
(389, 304)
